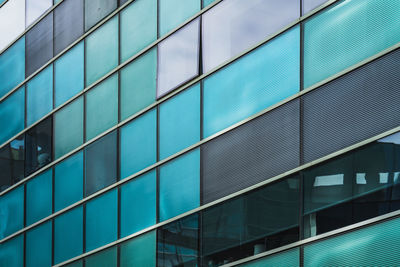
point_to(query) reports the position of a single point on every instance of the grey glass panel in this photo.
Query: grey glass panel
(39, 44)
(68, 24)
(309, 5)
(96, 10)
(36, 8)
(101, 163)
(254, 152)
(12, 160)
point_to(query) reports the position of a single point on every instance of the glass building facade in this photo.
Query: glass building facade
(199, 133)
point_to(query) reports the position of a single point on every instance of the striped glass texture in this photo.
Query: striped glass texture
(12, 21)
(12, 115)
(12, 252)
(290, 258)
(139, 251)
(11, 212)
(39, 246)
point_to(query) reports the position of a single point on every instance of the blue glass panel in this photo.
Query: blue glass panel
(38, 197)
(12, 212)
(101, 220)
(139, 143)
(180, 185)
(12, 252)
(68, 181)
(181, 110)
(12, 66)
(68, 235)
(38, 246)
(12, 115)
(39, 95)
(138, 204)
(69, 74)
(258, 80)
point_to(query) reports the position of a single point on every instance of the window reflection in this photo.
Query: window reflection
(12, 163)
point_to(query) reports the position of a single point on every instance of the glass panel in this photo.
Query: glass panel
(138, 204)
(104, 95)
(12, 65)
(39, 197)
(101, 50)
(11, 212)
(139, 143)
(309, 5)
(181, 110)
(138, 27)
(207, 2)
(178, 58)
(39, 44)
(101, 220)
(226, 27)
(287, 258)
(346, 34)
(106, 258)
(76, 263)
(183, 172)
(96, 10)
(38, 246)
(175, 12)
(68, 181)
(68, 235)
(68, 128)
(12, 21)
(254, 82)
(12, 160)
(101, 163)
(12, 115)
(12, 252)
(138, 84)
(36, 8)
(68, 24)
(39, 95)
(139, 251)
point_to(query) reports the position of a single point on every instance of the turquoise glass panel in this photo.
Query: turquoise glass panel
(180, 121)
(101, 220)
(175, 12)
(139, 143)
(138, 84)
(139, 251)
(75, 264)
(12, 115)
(11, 212)
(180, 185)
(138, 204)
(102, 51)
(39, 197)
(254, 82)
(39, 95)
(38, 246)
(68, 181)
(68, 128)
(138, 27)
(12, 66)
(12, 252)
(102, 107)
(68, 235)
(346, 34)
(377, 245)
(106, 258)
(207, 2)
(290, 258)
(69, 74)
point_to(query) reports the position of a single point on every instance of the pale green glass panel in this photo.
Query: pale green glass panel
(139, 251)
(346, 34)
(290, 258)
(106, 258)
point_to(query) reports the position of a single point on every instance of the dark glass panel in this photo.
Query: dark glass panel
(12, 157)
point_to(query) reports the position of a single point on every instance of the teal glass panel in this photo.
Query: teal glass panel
(12, 115)
(11, 212)
(104, 95)
(69, 74)
(289, 258)
(102, 51)
(175, 12)
(106, 258)
(74, 264)
(207, 2)
(38, 246)
(12, 66)
(68, 181)
(68, 235)
(181, 110)
(180, 185)
(12, 252)
(39, 95)
(101, 220)
(39, 197)
(138, 204)
(376, 245)
(346, 34)
(68, 128)
(254, 82)
(139, 143)
(138, 27)
(139, 251)
(138, 84)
